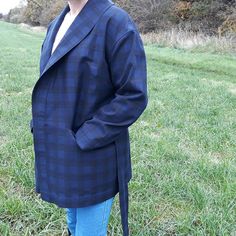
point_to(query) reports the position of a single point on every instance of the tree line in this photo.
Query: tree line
(209, 16)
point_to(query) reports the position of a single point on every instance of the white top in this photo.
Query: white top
(67, 21)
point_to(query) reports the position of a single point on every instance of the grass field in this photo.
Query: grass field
(183, 146)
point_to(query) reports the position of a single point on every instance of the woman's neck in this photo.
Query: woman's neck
(76, 6)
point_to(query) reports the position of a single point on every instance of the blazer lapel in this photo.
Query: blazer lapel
(49, 40)
(82, 25)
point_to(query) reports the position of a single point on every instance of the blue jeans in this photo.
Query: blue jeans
(91, 220)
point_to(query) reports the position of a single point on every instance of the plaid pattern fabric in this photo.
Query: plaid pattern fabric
(90, 90)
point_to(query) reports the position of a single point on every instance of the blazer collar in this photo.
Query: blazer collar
(81, 26)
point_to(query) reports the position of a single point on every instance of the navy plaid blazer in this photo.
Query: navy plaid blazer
(90, 90)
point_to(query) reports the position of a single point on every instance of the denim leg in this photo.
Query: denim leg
(93, 220)
(71, 219)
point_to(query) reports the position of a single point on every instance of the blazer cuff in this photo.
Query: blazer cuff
(82, 140)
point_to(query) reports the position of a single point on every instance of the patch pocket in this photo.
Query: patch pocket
(60, 138)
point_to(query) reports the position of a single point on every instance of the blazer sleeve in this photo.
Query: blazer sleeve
(127, 61)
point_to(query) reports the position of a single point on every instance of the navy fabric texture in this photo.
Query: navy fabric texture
(90, 90)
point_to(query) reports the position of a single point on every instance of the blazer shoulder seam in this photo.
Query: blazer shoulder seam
(121, 37)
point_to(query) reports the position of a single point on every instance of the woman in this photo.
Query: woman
(92, 87)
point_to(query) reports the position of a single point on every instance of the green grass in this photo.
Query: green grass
(183, 146)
